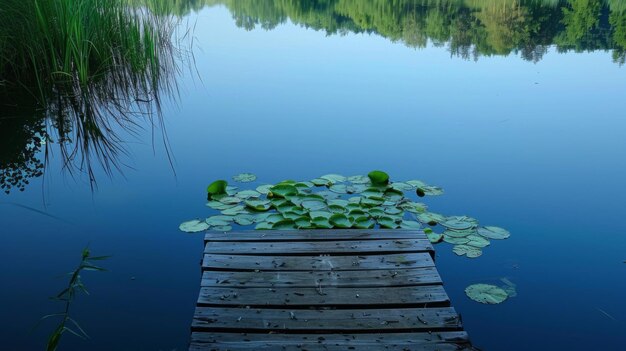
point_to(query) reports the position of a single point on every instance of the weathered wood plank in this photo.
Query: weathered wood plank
(443, 341)
(311, 279)
(320, 247)
(315, 235)
(312, 263)
(326, 321)
(414, 296)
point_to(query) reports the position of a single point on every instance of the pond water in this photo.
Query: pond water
(523, 129)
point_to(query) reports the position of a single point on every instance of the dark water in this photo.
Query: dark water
(533, 143)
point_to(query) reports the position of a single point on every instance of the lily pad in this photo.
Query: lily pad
(337, 209)
(458, 233)
(432, 190)
(230, 200)
(410, 225)
(264, 189)
(222, 228)
(320, 214)
(218, 187)
(314, 205)
(303, 223)
(364, 223)
(490, 232)
(233, 211)
(338, 202)
(340, 220)
(387, 222)
(477, 241)
(321, 222)
(459, 222)
(320, 182)
(216, 205)
(485, 293)
(402, 186)
(359, 179)
(219, 220)
(378, 177)
(193, 226)
(264, 226)
(244, 177)
(434, 237)
(282, 190)
(454, 241)
(430, 218)
(339, 188)
(246, 194)
(285, 224)
(469, 251)
(334, 178)
(244, 219)
(258, 205)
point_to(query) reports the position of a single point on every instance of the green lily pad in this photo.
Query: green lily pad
(274, 218)
(233, 211)
(258, 205)
(432, 190)
(371, 201)
(264, 189)
(393, 195)
(378, 177)
(216, 205)
(357, 212)
(413, 207)
(359, 179)
(469, 251)
(401, 186)
(303, 223)
(454, 240)
(416, 183)
(314, 205)
(485, 293)
(219, 220)
(434, 237)
(339, 188)
(218, 187)
(230, 200)
(459, 222)
(246, 194)
(244, 219)
(292, 215)
(283, 190)
(387, 222)
(321, 222)
(458, 233)
(333, 178)
(410, 225)
(338, 202)
(285, 224)
(376, 212)
(364, 223)
(393, 211)
(490, 232)
(430, 217)
(244, 177)
(193, 226)
(337, 209)
(264, 226)
(320, 182)
(477, 241)
(340, 220)
(231, 190)
(320, 214)
(222, 228)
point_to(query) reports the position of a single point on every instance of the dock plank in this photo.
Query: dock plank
(314, 279)
(434, 341)
(348, 247)
(413, 296)
(326, 320)
(320, 263)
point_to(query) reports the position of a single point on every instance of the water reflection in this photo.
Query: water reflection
(470, 28)
(77, 77)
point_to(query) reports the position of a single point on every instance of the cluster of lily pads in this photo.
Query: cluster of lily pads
(336, 201)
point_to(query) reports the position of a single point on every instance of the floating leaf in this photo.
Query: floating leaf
(193, 226)
(264, 189)
(258, 205)
(376, 212)
(246, 194)
(274, 218)
(303, 223)
(432, 190)
(340, 220)
(359, 179)
(339, 188)
(413, 207)
(372, 201)
(231, 190)
(216, 205)
(230, 200)
(318, 214)
(387, 222)
(313, 205)
(285, 224)
(400, 186)
(219, 220)
(333, 178)
(218, 187)
(458, 233)
(320, 182)
(244, 219)
(393, 210)
(378, 177)
(244, 177)
(493, 232)
(364, 223)
(469, 251)
(338, 202)
(337, 209)
(430, 218)
(410, 225)
(485, 293)
(477, 241)
(459, 222)
(233, 211)
(282, 190)
(222, 228)
(454, 240)
(264, 226)
(416, 183)
(321, 222)
(434, 237)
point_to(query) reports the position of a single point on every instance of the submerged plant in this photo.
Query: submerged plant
(67, 296)
(340, 202)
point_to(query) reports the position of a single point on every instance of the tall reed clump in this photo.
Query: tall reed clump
(95, 66)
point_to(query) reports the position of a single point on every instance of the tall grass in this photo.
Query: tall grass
(95, 66)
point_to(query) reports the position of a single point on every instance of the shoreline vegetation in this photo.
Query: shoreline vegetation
(469, 28)
(79, 74)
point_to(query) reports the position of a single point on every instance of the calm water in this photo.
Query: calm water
(535, 147)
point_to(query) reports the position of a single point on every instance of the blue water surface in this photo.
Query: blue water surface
(537, 148)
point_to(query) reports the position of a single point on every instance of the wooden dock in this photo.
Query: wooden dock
(323, 290)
